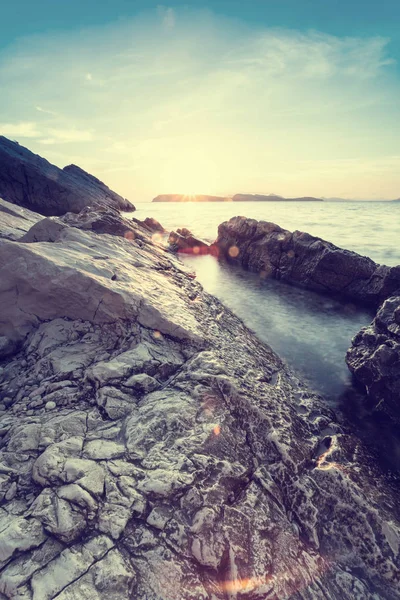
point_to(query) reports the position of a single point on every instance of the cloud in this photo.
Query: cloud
(201, 102)
(24, 129)
(46, 111)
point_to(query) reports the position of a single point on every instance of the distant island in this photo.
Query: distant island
(190, 198)
(235, 198)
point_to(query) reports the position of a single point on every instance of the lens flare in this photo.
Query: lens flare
(233, 251)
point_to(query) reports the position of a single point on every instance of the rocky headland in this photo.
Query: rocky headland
(152, 448)
(30, 181)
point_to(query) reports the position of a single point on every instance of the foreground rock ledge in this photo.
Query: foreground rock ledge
(307, 261)
(152, 448)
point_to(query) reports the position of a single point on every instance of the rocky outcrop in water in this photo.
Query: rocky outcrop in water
(302, 259)
(374, 358)
(153, 448)
(30, 181)
(182, 240)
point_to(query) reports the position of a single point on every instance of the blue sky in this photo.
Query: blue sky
(338, 17)
(288, 96)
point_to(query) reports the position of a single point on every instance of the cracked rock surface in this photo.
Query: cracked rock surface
(30, 181)
(302, 259)
(152, 448)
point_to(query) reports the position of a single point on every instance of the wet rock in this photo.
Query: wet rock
(185, 242)
(374, 358)
(30, 181)
(305, 260)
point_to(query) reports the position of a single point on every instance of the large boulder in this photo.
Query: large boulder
(374, 358)
(83, 277)
(32, 182)
(305, 260)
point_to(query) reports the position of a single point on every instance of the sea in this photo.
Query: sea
(310, 331)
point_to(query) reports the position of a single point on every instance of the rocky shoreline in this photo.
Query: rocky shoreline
(152, 448)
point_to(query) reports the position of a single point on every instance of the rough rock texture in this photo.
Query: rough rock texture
(301, 259)
(152, 448)
(32, 182)
(15, 221)
(153, 224)
(189, 198)
(182, 240)
(374, 358)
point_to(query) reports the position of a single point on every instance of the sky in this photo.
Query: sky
(294, 97)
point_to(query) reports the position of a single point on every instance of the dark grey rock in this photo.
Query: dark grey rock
(374, 358)
(305, 260)
(32, 182)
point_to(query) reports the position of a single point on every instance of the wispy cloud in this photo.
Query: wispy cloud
(200, 102)
(45, 110)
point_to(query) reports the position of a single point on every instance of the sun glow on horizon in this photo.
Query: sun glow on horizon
(207, 104)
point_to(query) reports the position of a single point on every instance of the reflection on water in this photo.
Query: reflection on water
(312, 332)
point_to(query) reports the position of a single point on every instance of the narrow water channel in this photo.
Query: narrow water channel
(312, 333)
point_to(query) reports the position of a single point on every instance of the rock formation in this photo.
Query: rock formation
(30, 181)
(374, 358)
(182, 240)
(304, 260)
(153, 448)
(271, 198)
(235, 198)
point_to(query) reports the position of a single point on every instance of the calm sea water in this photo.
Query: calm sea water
(369, 228)
(310, 331)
